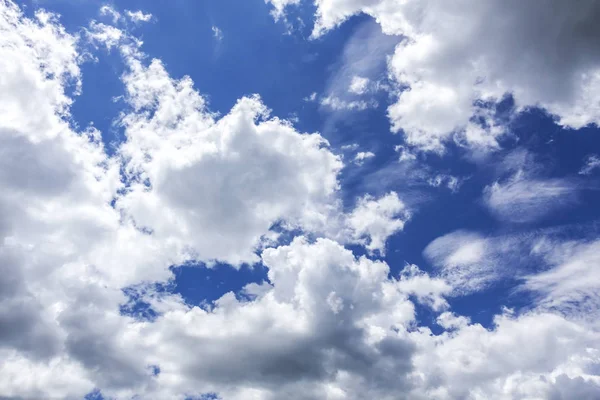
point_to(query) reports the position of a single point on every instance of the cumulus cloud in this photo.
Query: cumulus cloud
(255, 180)
(455, 59)
(374, 220)
(322, 327)
(473, 362)
(74, 223)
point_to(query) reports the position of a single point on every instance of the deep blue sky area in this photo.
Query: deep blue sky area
(286, 67)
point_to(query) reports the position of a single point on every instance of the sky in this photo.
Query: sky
(298, 199)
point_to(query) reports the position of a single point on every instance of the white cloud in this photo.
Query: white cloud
(571, 284)
(559, 275)
(165, 151)
(405, 154)
(362, 156)
(105, 34)
(427, 290)
(355, 78)
(311, 98)
(279, 7)
(138, 16)
(591, 163)
(217, 33)
(454, 54)
(107, 10)
(350, 147)
(526, 195)
(217, 186)
(323, 325)
(337, 104)
(451, 321)
(466, 260)
(451, 182)
(473, 362)
(525, 200)
(255, 181)
(68, 253)
(377, 220)
(359, 85)
(327, 325)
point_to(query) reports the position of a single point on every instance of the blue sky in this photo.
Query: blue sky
(411, 198)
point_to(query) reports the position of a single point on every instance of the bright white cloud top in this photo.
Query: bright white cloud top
(80, 224)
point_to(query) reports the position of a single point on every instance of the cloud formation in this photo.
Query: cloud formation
(81, 229)
(454, 60)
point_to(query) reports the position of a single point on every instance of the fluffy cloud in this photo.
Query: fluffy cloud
(455, 59)
(217, 186)
(323, 327)
(75, 222)
(373, 221)
(511, 361)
